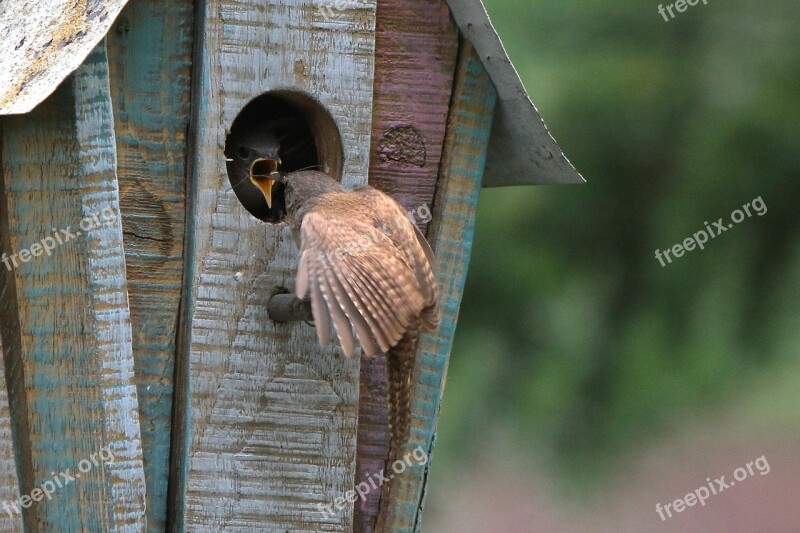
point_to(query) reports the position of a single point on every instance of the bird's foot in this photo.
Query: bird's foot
(301, 307)
(285, 307)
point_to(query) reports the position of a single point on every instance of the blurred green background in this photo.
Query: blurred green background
(584, 374)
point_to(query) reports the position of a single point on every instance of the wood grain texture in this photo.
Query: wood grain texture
(463, 163)
(9, 487)
(150, 54)
(68, 311)
(13, 372)
(415, 58)
(416, 44)
(265, 418)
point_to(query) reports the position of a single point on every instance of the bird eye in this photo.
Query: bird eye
(244, 153)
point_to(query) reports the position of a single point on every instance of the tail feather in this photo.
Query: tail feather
(400, 368)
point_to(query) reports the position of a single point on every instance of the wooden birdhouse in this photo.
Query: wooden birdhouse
(148, 386)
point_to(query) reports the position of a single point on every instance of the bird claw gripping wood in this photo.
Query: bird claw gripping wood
(368, 270)
(299, 306)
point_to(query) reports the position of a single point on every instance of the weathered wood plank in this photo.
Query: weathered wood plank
(415, 58)
(16, 457)
(413, 41)
(268, 417)
(463, 162)
(9, 487)
(13, 372)
(68, 311)
(150, 54)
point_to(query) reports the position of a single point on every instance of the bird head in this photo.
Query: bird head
(255, 156)
(264, 175)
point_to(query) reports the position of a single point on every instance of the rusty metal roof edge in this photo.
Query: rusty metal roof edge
(42, 46)
(521, 149)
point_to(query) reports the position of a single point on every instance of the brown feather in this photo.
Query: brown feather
(368, 268)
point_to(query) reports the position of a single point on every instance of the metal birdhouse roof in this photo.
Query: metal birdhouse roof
(43, 42)
(521, 149)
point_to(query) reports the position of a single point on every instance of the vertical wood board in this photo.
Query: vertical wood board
(463, 162)
(150, 56)
(18, 463)
(9, 487)
(267, 418)
(413, 41)
(416, 48)
(72, 330)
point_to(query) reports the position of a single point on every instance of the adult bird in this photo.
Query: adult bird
(367, 268)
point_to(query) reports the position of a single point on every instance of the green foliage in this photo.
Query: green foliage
(571, 332)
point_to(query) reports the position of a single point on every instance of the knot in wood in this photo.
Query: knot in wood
(402, 144)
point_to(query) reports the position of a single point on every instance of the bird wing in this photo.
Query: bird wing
(405, 236)
(359, 278)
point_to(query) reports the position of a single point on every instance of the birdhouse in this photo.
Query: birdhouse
(149, 385)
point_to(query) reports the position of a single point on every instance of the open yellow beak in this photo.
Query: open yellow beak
(262, 173)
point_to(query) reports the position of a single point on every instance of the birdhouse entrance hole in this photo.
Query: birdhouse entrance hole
(279, 131)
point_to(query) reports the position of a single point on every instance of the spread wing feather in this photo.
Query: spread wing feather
(365, 302)
(360, 276)
(301, 288)
(387, 329)
(322, 317)
(344, 329)
(346, 300)
(408, 238)
(424, 270)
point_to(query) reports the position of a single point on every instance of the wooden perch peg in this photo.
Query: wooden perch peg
(288, 308)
